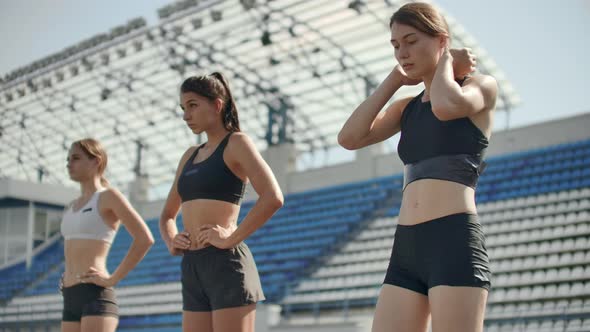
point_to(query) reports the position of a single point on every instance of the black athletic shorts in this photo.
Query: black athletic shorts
(88, 300)
(214, 278)
(445, 251)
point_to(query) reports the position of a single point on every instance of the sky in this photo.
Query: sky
(541, 46)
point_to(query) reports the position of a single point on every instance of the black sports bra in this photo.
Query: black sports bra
(210, 178)
(448, 150)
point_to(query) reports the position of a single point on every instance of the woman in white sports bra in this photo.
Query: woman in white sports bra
(89, 226)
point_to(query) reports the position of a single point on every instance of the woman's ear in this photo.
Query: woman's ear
(218, 105)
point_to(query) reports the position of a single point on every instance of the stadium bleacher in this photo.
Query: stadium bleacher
(327, 250)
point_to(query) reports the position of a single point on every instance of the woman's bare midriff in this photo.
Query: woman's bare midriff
(428, 199)
(81, 255)
(199, 212)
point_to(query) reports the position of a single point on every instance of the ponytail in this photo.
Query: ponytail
(231, 121)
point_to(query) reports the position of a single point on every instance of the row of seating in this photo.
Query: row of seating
(548, 325)
(283, 248)
(538, 238)
(17, 277)
(540, 264)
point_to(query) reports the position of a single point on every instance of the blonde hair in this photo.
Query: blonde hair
(94, 150)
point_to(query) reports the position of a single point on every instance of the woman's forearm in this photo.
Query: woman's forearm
(264, 208)
(137, 250)
(360, 121)
(445, 93)
(168, 230)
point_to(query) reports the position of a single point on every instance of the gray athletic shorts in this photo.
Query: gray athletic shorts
(214, 278)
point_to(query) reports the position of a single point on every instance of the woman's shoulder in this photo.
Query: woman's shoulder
(239, 138)
(189, 152)
(239, 143)
(111, 193)
(191, 149)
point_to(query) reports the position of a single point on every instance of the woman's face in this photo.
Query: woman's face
(199, 113)
(415, 51)
(80, 166)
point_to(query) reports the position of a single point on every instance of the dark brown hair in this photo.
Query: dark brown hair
(212, 87)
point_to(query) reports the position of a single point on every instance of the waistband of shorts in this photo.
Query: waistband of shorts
(455, 217)
(201, 251)
(81, 286)
(208, 250)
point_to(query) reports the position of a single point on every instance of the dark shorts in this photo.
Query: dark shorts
(445, 251)
(214, 278)
(88, 300)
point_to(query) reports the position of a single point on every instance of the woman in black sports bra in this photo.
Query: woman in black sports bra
(439, 265)
(220, 282)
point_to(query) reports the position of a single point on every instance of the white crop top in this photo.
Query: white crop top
(86, 223)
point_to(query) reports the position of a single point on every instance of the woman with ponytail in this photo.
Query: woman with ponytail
(220, 282)
(89, 226)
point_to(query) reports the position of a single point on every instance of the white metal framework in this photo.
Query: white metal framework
(297, 69)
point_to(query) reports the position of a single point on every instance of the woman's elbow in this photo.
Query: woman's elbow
(278, 201)
(346, 142)
(150, 241)
(275, 200)
(342, 140)
(147, 240)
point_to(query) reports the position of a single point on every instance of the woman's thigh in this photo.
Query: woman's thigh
(457, 309)
(236, 319)
(400, 310)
